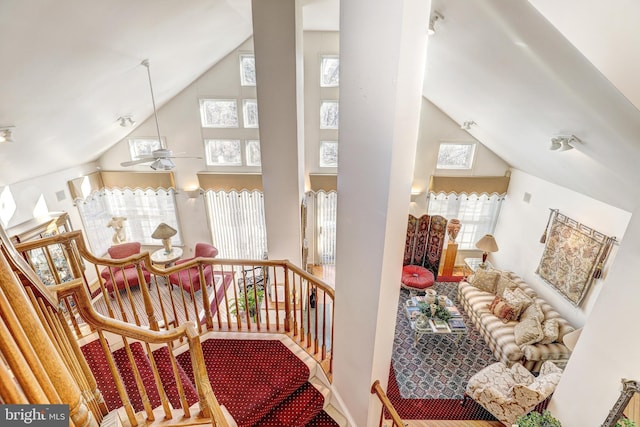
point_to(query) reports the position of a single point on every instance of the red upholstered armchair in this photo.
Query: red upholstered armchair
(123, 275)
(189, 278)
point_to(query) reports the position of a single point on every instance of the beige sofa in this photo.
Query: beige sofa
(529, 336)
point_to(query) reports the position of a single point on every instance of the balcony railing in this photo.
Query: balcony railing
(270, 296)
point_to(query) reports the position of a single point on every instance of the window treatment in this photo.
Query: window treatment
(144, 210)
(237, 223)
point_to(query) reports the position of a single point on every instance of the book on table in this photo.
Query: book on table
(456, 324)
(453, 311)
(439, 325)
(412, 312)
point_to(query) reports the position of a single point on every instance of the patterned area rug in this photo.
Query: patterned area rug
(436, 367)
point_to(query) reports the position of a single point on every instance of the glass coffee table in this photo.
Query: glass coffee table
(423, 325)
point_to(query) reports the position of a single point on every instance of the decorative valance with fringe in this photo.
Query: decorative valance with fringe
(574, 255)
(230, 181)
(83, 186)
(469, 184)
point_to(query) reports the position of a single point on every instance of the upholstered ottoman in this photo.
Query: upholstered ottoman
(416, 278)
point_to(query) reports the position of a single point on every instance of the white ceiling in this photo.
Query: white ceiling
(70, 68)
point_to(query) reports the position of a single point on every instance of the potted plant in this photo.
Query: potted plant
(625, 422)
(536, 419)
(249, 304)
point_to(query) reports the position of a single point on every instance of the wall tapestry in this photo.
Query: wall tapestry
(424, 241)
(574, 255)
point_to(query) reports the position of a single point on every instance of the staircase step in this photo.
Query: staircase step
(250, 377)
(163, 363)
(323, 419)
(297, 410)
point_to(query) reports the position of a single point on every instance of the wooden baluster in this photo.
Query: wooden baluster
(127, 289)
(67, 390)
(52, 265)
(72, 317)
(146, 297)
(176, 375)
(166, 407)
(163, 312)
(287, 305)
(206, 306)
(138, 379)
(10, 393)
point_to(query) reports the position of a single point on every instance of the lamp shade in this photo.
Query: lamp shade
(163, 231)
(487, 243)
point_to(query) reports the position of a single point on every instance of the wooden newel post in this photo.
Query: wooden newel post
(51, 361)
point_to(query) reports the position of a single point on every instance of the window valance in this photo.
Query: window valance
(230, 181)
(469, 184)
(323, 182)
(85, 185)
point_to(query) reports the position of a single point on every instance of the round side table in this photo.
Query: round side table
(166, 259)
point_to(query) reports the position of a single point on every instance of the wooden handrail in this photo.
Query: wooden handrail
(376, 389)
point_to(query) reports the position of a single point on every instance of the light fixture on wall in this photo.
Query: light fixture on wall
(563, 142)
(126, 121)
(486, 244)
(435, 17)
(467, 125)
(6, 134)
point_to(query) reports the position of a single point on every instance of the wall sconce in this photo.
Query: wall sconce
(563, 142)
(435, 17)
(192, 194)
(126, 121)
(6, 134)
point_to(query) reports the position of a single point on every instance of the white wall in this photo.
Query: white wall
(521, 225)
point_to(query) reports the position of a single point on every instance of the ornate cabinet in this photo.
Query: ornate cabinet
(49, 262)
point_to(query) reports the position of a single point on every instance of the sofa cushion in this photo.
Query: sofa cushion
(517, 299)
(502, 309)
(528, 331)
(551, 330)
(504, 282)
(533, 311)
(485, 280)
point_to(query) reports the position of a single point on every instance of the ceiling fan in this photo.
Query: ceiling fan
(161, 158)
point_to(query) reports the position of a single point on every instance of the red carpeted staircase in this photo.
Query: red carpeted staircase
(260, 382)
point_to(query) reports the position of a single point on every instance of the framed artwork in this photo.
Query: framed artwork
(329, 115)
(328, 154)
(140, 148)
(250, 113)
(252, 152)
(329, 71)
(223, 152)
(219, 113)
(247, 69)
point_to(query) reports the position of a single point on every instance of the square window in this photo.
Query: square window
(250, 113)
(330, 71)
(140, 148)
(219, 113)
(247, 70)
(328, 154)
(456, 155)
(223, 152)
(329, 115)
(252, 151)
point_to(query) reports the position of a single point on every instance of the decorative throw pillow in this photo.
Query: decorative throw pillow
(528, 332)
(485, 280)
(502, 309)
(504, 282)
(551, 330)
(518, 299)
(533, 311)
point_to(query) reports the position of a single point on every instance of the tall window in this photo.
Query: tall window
(478, 214)
(237, 223)
(322, 214)
(144, 210)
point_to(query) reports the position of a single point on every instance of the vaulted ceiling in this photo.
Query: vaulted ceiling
(70, 68)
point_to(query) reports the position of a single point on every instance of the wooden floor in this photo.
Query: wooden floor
(327, 274)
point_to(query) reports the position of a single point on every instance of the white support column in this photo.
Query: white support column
(382, 55)
(277, 32)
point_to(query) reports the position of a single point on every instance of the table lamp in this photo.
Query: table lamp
(164, 233)
(486, 244)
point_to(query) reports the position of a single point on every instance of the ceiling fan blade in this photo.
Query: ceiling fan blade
(185, 157)
(137, 162)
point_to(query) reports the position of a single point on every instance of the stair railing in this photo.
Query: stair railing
(387, 406)
(267, 296)
(209, 406)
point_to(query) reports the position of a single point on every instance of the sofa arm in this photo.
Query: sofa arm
(542, 352)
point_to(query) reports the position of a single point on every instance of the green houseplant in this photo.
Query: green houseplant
(249, 304)
(536, 419)
(625, 422)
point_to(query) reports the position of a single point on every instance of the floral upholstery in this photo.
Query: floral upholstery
(508, 393)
